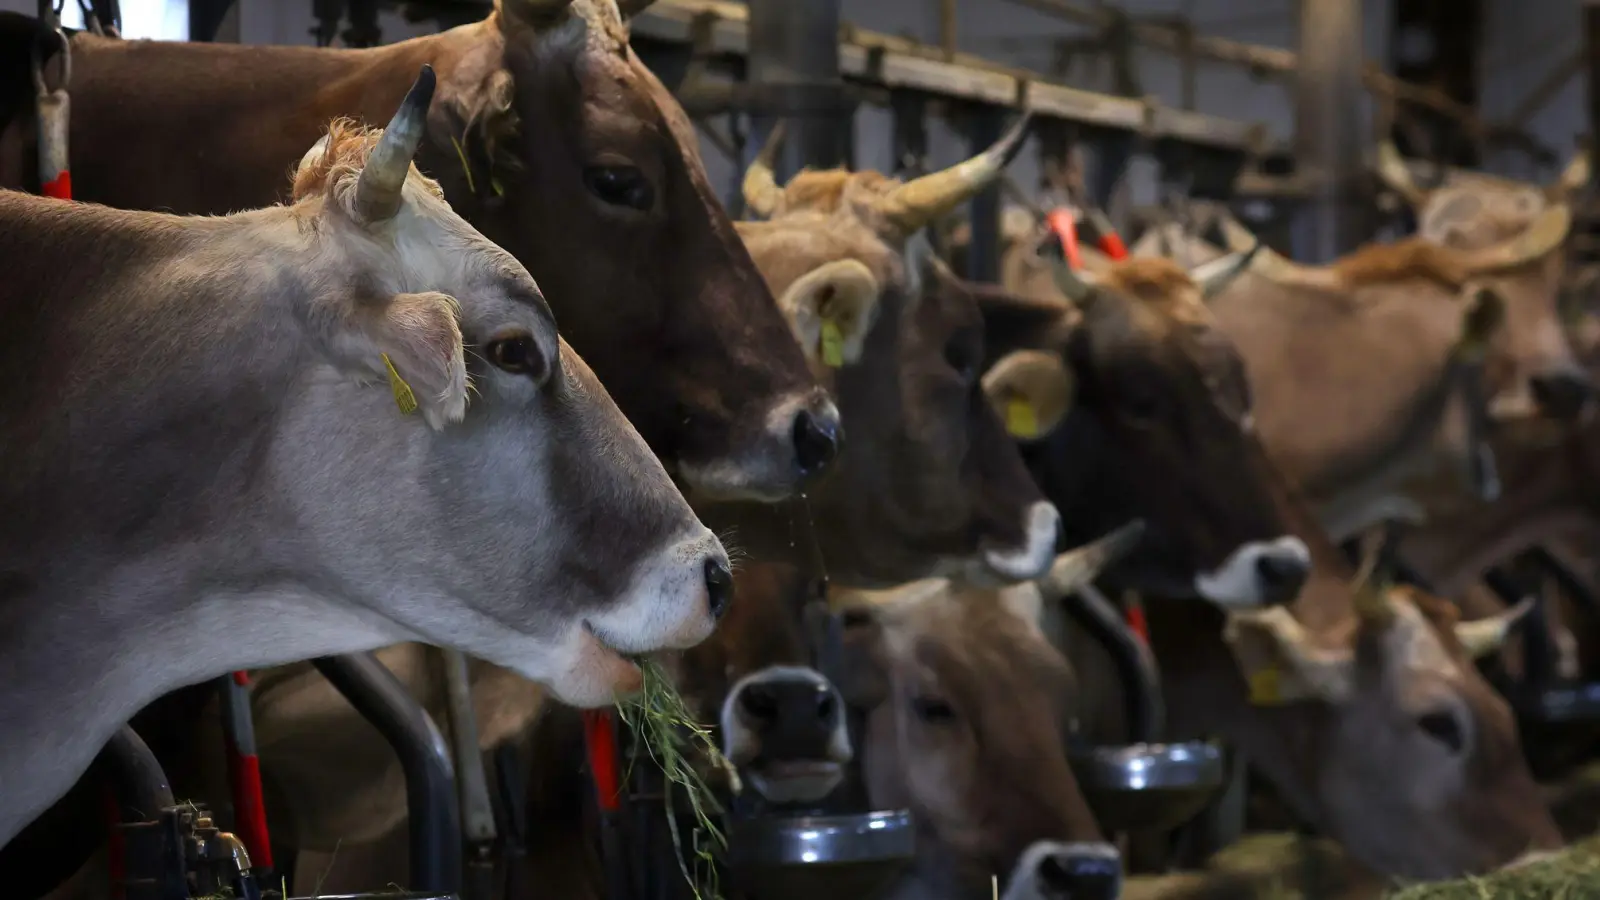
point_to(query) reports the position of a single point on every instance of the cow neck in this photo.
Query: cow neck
(1325, 602)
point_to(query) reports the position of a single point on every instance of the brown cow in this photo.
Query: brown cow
(1476, 211)
(939, 485)
(1159, 427)
(1364, 370)
(550, 136)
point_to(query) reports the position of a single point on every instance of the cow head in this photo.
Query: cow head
(931, 482)
(782, 723)
(1398, 749)
(532, 528)
(1512, 235)
(1161, 426)
(577, 160)
(966, 707)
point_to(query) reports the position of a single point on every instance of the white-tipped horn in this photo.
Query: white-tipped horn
(1074, 286)
(1212, 277)
(922, 200)
(1076, 568)
(378, 193)
(1394, 172)
(1480, 637)
(762, 194)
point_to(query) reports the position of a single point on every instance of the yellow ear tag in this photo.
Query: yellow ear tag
(1021, 420)
(832, 344)
(403, 397)
(1264, 687)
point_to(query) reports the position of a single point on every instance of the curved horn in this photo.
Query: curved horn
(1217, 274)
(1480, 637)
(378, 193)
(761, 191)
(1542, 236)
(1076, 568)
(1069, 282)
(1394, 172)
(1574, 178)
(921, 200)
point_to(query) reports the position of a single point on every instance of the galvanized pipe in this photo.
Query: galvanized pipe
(1330, 131)
(793, 67)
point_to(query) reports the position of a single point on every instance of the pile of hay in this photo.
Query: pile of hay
(1571, 875)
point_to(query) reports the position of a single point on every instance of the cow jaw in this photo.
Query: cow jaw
(1260, 573)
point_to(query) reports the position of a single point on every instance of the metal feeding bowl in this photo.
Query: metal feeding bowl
(385, 895)
(841, 857)
(1148, 786)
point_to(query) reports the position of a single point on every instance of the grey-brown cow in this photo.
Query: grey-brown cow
(550, 136)
(195, 482)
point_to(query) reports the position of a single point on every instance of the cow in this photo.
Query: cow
(1369, 372)
(1476, 212)
(966, 710)
(1160, 417)
(221, 493)
(550, 136)
(899, 341)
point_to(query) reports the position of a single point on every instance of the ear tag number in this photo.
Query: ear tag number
(403, 397)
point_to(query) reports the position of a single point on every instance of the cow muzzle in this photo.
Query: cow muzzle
(799, 440)
(784, 728)
(1050, 870)
(1260, 573)
(1562, 394)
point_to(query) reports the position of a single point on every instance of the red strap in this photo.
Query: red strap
(1065, 228)
(1137, 623)
(1111, 245)
(59, 188)
(249, 811)
(600, 734)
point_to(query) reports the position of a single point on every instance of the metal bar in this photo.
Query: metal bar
(141, 785)
(1330, 132)
(910, 132)
(947, 28)
(1591, 31)
(1546, 90)
(472, 783)
(434, 819)
(794, 50)
(1098, 617)
(214, 20)
(984, 127)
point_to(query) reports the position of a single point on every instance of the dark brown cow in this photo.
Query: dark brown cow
(550, 136)
(1160, 424)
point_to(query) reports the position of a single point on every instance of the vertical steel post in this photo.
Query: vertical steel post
(794, 66)
(1331, 139)
(984, 127)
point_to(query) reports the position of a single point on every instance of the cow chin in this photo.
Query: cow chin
(1260, 573)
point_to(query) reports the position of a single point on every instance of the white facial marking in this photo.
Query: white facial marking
(1237, 583)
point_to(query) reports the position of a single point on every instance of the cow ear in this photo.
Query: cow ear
(1031, 390)
(1281, 663)
(411, 342)
(831, 309)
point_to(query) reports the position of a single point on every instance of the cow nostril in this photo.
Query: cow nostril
(816, 441)
(827, 709)
(1065, 874)
(719, 587)
(1561, 395)
(759, 703)
(1282, 574)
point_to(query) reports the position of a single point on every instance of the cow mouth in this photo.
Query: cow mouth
(610, 654)
(795, 780)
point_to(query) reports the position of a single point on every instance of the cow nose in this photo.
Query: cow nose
(760, 704)
(800, 705)
(719, 587)
(1080, 872)
(816, 440)
(1282, 576)
(1561, 395)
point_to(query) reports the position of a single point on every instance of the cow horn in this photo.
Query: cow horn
(1078, 567)
(921, 200)
(1217, 274)
(1480, 637)
(761, 191)
(378, 193)
(1541, 237)
(1574, 178)
(1396, 174)
(1074, 286)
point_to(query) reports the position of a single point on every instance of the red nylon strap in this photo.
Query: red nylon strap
(60, 188)
(600, 735)
(1137, 623)
(1065, 228)
(249, 810)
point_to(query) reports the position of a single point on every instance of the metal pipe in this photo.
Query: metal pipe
(984, 127)
(793, 65)
(947, 28)
(1330, 131)
(1591, 31)
(1099, 617)
(434, 819)
(141, 785)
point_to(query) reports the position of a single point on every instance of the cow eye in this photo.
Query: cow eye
(933, 710)
(1445, 728)
(620, 186)
(518, 355)
(960, 356)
